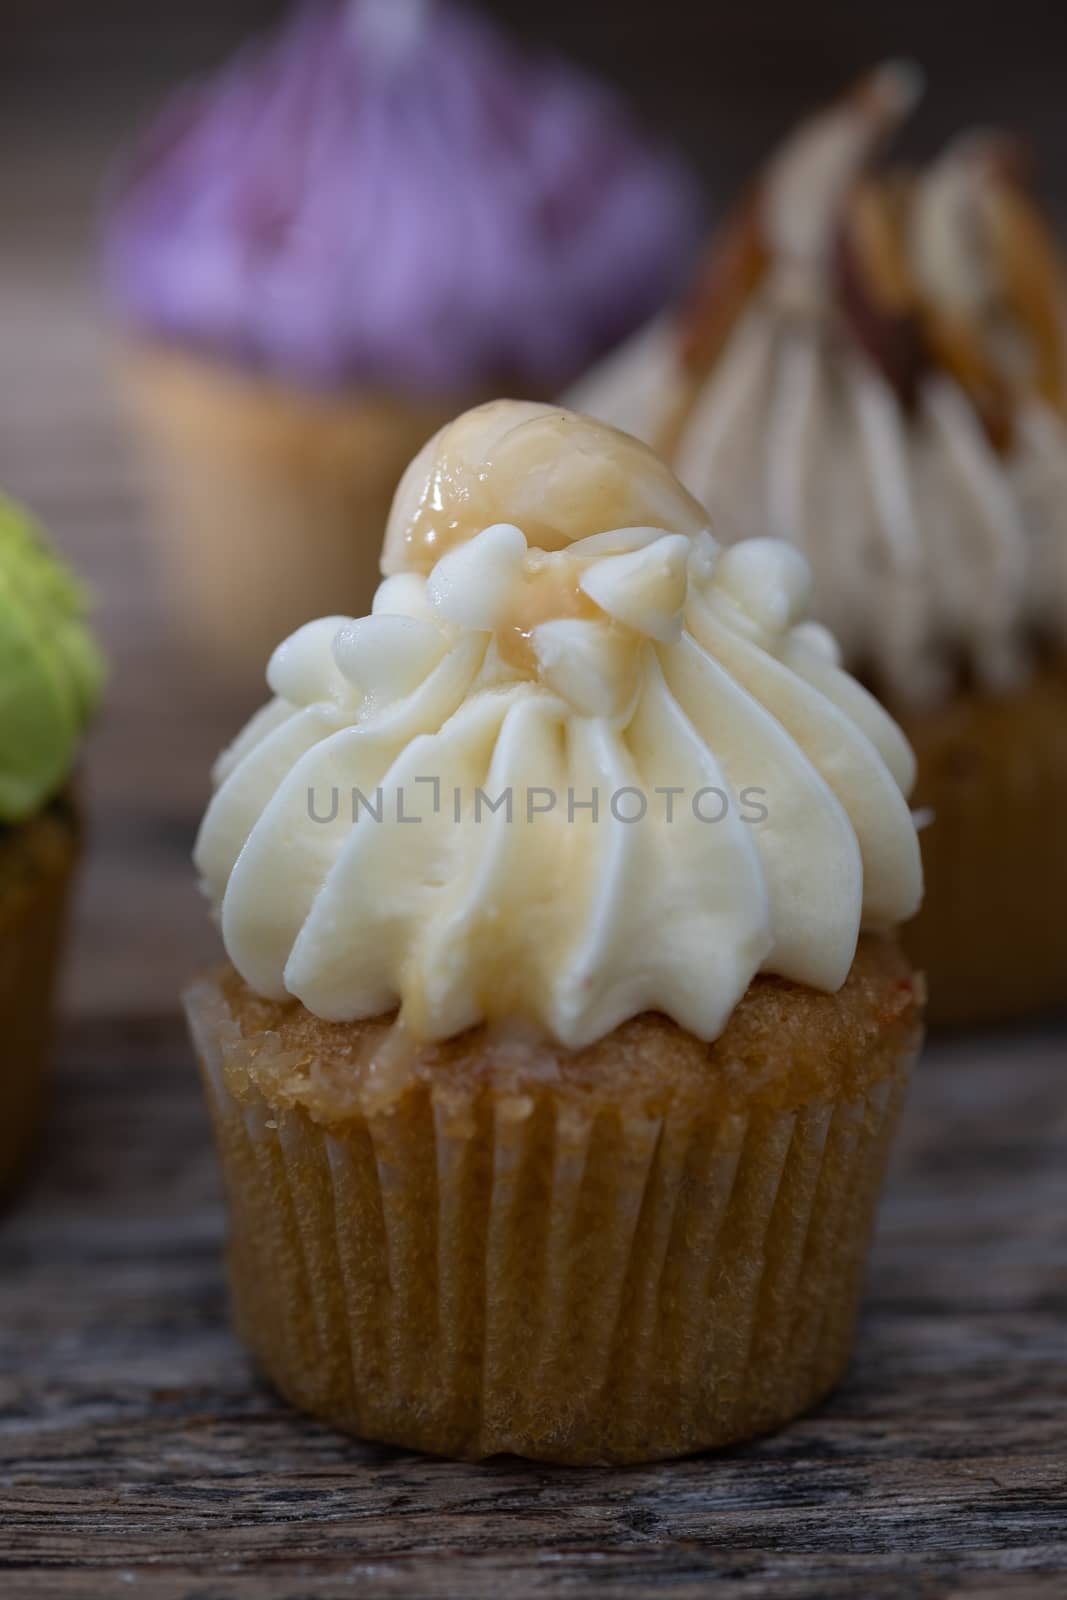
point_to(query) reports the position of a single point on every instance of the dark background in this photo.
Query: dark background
(726, 78)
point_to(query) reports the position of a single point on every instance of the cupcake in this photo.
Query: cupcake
(368, 221)
(564, 1027)
(50, 678)
(873, 366)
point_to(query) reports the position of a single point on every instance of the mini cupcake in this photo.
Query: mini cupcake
(564, 1028)
(873, 366)
(49, 681)
(373, 218)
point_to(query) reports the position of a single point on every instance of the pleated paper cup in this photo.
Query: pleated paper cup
(267, 506)
(471, 1270)
(37, 862)
(991, 936)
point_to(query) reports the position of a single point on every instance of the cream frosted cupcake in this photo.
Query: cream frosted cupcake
(564, 1029)
(873, 366)
(373, 218)
(50, 678)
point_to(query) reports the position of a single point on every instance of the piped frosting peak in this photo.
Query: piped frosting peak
(873, 366)
(579, 763)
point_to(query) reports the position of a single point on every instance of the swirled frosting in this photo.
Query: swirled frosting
(50, 669)
(697, 791)
(388, 193)
(873, 366)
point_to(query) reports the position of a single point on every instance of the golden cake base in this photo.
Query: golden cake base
(268, 505)
(633, 1251)
(37, 861)
(992, 933)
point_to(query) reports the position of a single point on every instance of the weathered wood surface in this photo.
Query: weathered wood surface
(138, 1455)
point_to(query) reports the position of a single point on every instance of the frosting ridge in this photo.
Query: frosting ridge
(873, 366)
(562, 785)
(50, 670)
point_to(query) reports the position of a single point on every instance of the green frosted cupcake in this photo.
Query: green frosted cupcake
(50, 679)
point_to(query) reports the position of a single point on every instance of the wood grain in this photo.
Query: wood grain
(139, 1455)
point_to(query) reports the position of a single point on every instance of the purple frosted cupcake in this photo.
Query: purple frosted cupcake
(368, 220)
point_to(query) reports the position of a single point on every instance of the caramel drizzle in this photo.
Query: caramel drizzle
(1033, 284)
(876, 290)
(549, 592)
(902, 330)
(733, 269)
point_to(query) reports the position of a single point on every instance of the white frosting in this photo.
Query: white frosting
(625, 661)
(932, 546)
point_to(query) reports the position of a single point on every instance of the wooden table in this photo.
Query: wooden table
(138, 1455)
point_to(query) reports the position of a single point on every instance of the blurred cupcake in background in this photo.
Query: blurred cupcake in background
(873, 365)
(379, 214)
(50, 678)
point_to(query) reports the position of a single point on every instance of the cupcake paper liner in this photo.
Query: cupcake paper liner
(268, 506)
(477, 1273)
(991, 935)
(37, 862)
